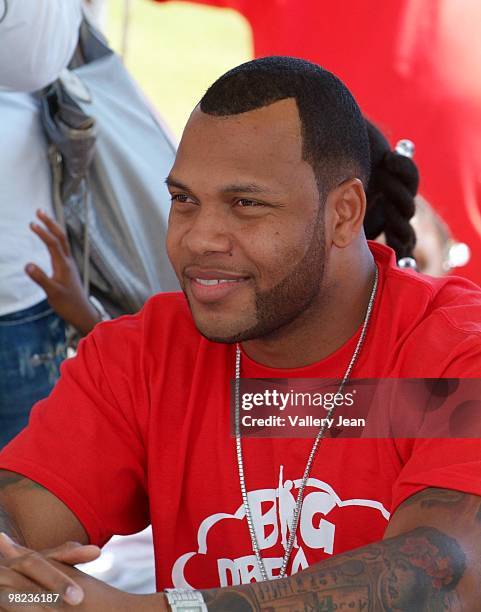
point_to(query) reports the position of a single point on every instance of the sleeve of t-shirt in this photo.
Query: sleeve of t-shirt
(439, 463)
(41, 36)
(85, 442)
(448, 463)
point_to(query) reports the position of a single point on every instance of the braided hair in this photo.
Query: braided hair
(390, 194)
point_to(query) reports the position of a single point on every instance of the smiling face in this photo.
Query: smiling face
(246, 228)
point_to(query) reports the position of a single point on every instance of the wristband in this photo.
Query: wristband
(185, 600)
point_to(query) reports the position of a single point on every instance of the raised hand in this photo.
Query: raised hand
(64, 289)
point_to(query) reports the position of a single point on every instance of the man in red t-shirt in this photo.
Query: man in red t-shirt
(413, 68)
(266, 238)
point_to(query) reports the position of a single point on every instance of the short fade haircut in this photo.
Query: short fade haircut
(334, 136)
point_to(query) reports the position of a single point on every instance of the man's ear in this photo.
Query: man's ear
(347, 206)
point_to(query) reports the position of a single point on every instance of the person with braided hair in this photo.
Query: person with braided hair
(400, 217)
(390, 195)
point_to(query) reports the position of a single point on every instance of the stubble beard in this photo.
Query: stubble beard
(280, 306)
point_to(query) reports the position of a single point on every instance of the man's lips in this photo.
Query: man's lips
(209, 286)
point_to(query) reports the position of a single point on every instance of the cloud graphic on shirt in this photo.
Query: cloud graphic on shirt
(321, 500)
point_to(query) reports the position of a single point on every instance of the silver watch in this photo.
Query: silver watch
(186, 600)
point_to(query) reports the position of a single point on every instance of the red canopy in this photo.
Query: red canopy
(414, 67)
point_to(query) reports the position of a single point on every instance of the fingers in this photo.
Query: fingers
(38, 569)
(72, 553)
(55, 239)
(38, 276)
(53, 245)
(12, 584)
(8, 548)
(56, 230)
(35, 568)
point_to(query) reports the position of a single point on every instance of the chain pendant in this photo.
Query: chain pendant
(310, 460)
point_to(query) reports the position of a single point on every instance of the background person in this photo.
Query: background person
(436, 251)
(400, 218)
(41, 35)
(390, 195)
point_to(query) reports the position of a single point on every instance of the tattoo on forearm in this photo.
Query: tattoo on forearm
(416, 571)
(234, 600)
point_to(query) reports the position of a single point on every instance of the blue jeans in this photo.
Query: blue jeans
(32, 347)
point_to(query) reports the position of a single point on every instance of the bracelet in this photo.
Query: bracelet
(187, 600)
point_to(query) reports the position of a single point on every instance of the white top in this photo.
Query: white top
(37, 40)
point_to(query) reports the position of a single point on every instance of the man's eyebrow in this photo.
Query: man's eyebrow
(170, 181)
(245, 188)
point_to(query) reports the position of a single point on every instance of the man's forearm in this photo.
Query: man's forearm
(418, 570)
(101, 596)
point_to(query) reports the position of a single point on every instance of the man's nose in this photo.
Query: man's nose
(209, 233)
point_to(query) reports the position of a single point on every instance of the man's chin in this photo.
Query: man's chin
(222, 337)
(221, 327)
(229, 333)
(218, 340)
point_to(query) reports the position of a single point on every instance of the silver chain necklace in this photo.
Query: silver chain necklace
(312, 454)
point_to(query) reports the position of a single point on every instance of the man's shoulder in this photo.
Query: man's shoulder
(453, 300)
(160, 344)
(164, 321)
(432, 325)
(444, 336)
(412, 298)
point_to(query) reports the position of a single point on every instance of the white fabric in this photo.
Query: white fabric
(127, 563)
(41, 36)
(96, 11)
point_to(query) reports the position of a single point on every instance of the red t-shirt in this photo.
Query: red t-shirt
(138, 430)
